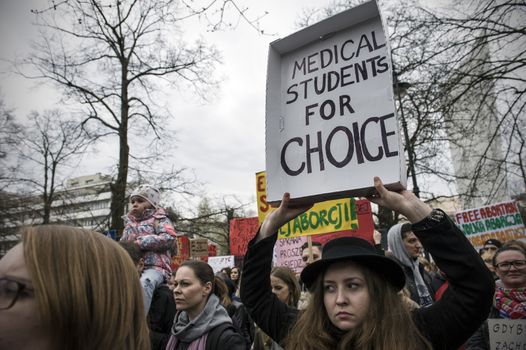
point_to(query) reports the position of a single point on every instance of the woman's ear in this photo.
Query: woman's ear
(207, 289)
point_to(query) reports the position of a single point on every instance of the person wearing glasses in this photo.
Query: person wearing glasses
(69, 288)
(510, 292)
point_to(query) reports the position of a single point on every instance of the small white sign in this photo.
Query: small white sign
(330, 115)
(506, 334)
(219, 262)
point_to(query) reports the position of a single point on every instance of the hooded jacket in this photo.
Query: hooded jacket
(415, 285)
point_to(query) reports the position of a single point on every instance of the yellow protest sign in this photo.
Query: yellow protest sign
(324, 217)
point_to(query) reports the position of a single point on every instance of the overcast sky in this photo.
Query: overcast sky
(221, 140)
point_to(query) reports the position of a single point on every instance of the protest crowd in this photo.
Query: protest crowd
(427, 287)
(74, 289)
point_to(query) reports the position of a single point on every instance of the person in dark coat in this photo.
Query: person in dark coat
(201, 322)
(355, 289)
(406, 249)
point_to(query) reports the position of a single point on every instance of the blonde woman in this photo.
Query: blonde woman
(69, 288)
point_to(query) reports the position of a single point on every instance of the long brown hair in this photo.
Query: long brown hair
(388, 324)
(87, 289)
(288, 277)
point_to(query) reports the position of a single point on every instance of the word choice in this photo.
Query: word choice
(326, 147)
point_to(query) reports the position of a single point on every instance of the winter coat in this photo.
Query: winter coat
(446, 324)
(155, 235)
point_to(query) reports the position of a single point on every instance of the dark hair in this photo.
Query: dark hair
(314, 244)
(405, 229)
(289, 278)
(202, 271)
(222, 291)
(493, 241)
(227, 269)
(136, 254)
(504, 249)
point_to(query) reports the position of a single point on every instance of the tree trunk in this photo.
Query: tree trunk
(118, 189)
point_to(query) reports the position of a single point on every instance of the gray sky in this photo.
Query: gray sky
(221, 140)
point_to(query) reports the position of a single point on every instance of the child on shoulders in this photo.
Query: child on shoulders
(148, 226)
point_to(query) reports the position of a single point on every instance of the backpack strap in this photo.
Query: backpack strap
(212, 340)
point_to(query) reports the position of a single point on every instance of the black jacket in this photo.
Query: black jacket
(446, 324)
(161, 316)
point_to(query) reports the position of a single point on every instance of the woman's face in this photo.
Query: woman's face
(279, 288)
(20, 326)
(234, 274)
(511, 276)
(345, 295)
(190, 294)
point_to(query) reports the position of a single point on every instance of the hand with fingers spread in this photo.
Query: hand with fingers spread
(403, 202)
(280, 217)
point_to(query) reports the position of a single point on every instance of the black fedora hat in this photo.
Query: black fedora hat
(355, 249)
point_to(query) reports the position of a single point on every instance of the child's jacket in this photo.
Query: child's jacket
(155, 235)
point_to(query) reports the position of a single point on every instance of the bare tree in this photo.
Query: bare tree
(46, 149)
(109, 55)
(211, 220)
(466, 68)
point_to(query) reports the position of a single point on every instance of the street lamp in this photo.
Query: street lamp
(400, 89)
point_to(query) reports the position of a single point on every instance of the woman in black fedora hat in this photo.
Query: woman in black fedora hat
(354, 289)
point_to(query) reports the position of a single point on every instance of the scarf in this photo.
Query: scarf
(396, 246)
(194, 333)
(511, 302)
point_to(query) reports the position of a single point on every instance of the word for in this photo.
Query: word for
(486, 212)
(491, 224)
(335, 216)
(344, 52)
(355, 146)
(331, 80)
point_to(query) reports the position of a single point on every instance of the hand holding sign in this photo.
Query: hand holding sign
(403, 202)
(280, 217)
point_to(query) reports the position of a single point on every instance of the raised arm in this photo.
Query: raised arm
(448, 323)
(271, 315)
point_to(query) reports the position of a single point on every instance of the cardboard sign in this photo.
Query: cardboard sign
(287, 251)
(506, 334)
(324, 217)
(199, 247)
(242, 230)
(502, 221)
(183, 252)
(331, 121)
(218, 262)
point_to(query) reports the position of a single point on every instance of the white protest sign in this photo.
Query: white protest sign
(199, 247)
(502, 221)
(506, 334)
(330, 114)
(219, 262)
(287, 252)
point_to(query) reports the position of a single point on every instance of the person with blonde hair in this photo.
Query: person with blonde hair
(355, 302)
(72, 289)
